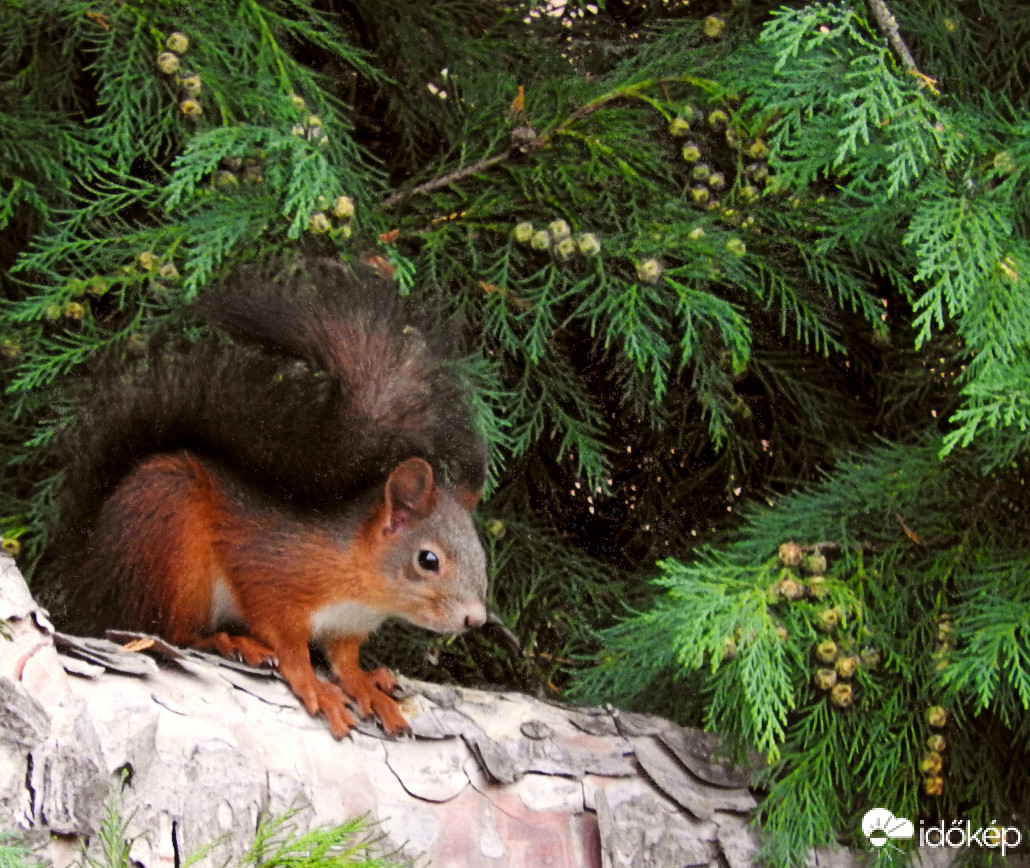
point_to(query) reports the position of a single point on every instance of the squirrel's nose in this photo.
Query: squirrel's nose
(475, 616)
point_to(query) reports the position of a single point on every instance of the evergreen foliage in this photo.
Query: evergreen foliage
(278, 840)
(930, 607)
(706, 261)
(13, 854)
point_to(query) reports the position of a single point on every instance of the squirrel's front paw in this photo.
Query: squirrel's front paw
(321, 696)
(371, 691)
(388, 710)
(316, 695)
(333, 704)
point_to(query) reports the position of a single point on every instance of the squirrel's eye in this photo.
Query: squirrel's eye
(428, 561)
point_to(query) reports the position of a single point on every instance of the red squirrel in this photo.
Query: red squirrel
(296, 486)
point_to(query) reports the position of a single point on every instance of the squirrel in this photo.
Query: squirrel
(296, 486)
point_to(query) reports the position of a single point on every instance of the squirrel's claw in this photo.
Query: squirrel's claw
(388, 711)
(250, 651)
(371, 692)
(384, 679)
(332, 703)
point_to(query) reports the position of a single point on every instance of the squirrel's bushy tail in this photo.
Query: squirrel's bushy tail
(325, 388)
(396, 394)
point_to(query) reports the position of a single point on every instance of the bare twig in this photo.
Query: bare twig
(451, 177)
(833, 545)
(888, 25)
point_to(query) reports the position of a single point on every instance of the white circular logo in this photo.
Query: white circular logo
(880, 825)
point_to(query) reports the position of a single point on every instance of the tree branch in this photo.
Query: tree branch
(456, 175)
(888, 25)
(536, 142)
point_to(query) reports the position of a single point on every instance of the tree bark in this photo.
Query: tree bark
(209, 747)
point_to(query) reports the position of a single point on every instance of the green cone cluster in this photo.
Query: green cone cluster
(838, 656)
(169, 63)
(558, 239)
(726, 171)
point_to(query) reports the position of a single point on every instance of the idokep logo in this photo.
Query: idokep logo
(962, 834)
(880, 826)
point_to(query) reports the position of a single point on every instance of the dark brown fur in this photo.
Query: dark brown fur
(322, 357)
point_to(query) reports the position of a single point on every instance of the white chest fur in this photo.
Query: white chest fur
(344, 619)
(224, 608)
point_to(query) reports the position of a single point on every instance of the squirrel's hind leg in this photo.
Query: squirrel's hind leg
(250, 651)
(155, 537)
(163, 523)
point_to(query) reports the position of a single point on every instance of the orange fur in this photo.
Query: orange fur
(193, 540)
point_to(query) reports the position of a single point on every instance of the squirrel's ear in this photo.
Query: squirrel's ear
(468, 497)
(409, 491)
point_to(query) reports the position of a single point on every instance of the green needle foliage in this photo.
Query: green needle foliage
(13, 854)
(732, 281)
(280, 842)
(920, 609)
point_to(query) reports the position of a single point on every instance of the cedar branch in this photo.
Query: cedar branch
(539, 141)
